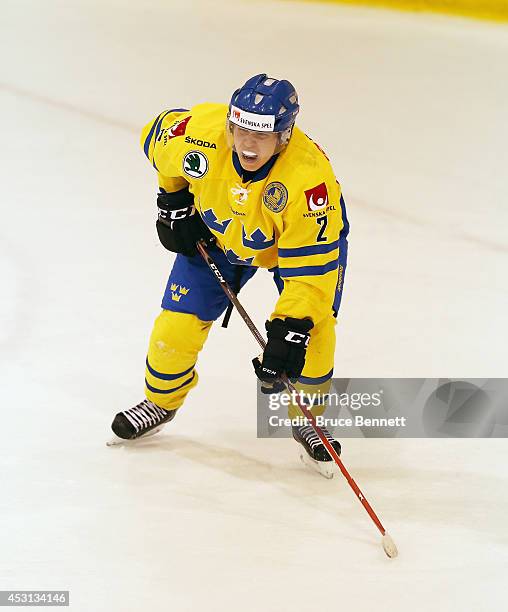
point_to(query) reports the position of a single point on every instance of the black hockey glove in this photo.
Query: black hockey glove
(284, 352)
(179, 225)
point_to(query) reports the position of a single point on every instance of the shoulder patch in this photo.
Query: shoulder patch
(275, 196)
(317, 197)
(176, 129)
(195, 164)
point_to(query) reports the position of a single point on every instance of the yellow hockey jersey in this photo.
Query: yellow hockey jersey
(290, 215)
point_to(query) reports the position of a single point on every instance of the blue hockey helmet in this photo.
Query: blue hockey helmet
(264, 104)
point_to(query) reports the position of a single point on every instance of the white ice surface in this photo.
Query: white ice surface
(412, 111)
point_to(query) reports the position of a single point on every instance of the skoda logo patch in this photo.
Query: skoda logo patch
(195, 164)
(275, 197)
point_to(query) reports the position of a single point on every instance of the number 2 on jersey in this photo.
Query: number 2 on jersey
(323, 222)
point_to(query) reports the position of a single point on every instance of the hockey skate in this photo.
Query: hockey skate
(143, 421)
(313, 452)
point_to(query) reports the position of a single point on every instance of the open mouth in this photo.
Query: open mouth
(249, 156)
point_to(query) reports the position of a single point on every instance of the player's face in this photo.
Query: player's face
(254, 148)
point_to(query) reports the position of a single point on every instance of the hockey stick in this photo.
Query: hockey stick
(388, 543)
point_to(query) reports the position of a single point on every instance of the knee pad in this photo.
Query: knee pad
(178, 332)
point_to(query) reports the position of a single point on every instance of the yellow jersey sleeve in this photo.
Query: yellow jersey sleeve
(159, 141)
(308, 252)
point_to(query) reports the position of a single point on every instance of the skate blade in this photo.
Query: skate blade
(116, 441)
(327, 469)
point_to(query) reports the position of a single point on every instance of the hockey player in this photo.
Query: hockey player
(260, 194)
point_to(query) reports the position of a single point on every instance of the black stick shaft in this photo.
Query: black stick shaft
(231, 295)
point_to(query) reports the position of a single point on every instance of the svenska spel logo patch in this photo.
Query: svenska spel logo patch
(195, 164)
(177, 129)
(252, 121)
(317, 197)
(275, 196)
